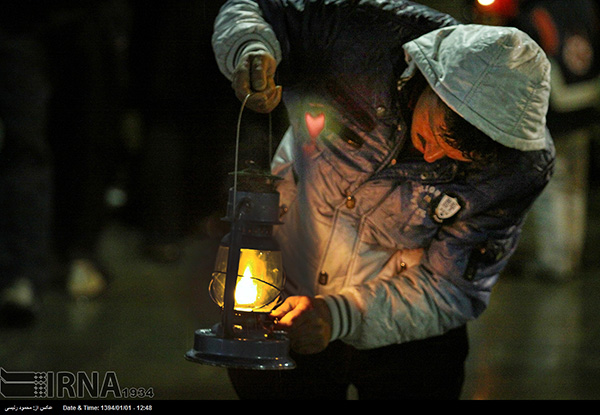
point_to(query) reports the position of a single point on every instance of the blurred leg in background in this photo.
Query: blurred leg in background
(569, 32)
(25, 178)
(87, 47)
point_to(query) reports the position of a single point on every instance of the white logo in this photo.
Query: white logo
(447, 208)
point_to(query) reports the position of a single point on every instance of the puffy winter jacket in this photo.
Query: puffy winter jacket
(400, 249)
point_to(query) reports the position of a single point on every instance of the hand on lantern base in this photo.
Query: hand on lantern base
(307, 321)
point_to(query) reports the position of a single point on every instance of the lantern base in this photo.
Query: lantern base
(269, 352)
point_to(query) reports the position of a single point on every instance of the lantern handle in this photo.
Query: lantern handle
(237, 151)
(237, 145)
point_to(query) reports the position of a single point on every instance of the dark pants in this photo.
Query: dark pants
(425, 369)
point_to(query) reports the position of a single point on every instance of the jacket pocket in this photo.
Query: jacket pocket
(402, 220)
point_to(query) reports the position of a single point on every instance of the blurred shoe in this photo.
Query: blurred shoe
(85, 279)
(18, 304)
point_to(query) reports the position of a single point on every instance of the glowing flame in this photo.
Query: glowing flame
(246, 291)
(486, 2)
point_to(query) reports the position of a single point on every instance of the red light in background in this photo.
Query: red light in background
(499, 8)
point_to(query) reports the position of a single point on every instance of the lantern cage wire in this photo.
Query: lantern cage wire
(262, 308)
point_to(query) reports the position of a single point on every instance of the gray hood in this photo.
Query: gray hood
(497, 78)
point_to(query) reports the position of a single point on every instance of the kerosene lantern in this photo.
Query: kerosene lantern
(247, 282)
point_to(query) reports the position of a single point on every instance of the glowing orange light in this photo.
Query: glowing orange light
(259, 280)
(246, 291)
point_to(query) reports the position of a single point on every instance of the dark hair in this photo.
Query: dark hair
(469, 140)
(459, 133)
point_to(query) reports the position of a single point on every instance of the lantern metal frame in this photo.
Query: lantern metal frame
(243, 339)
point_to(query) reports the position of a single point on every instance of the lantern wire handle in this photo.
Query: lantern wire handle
(237, 151)
(237, 146)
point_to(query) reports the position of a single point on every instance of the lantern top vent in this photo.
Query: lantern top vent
(256, 180)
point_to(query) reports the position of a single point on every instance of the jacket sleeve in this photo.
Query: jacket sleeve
(239, 29)
(303, 30)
